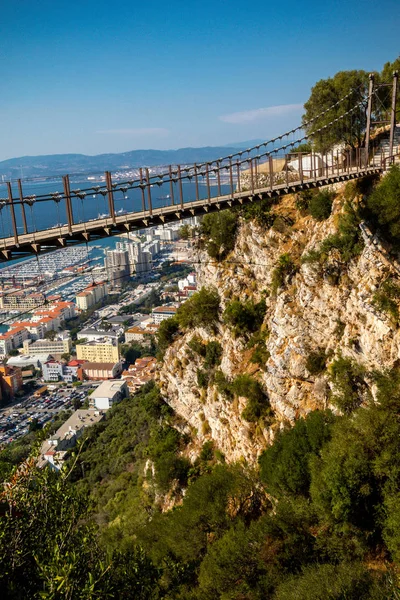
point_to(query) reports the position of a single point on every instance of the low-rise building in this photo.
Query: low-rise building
(91, 295)
(101, 371)
(74, 370)
(25, 360)
(108, 393)
(52, 370)
(140, 373)
(10, 381)
(55, 449)
(101, 351)
(142, 335)
(54, 347)
(21, 300)
(55, 370)
(12, 339)
(160, 313)
(94, 335)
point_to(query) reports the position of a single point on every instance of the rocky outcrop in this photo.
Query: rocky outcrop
(326, 308)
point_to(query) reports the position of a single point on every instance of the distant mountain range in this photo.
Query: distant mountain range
(60, 164)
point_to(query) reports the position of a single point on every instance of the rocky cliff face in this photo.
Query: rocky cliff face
(325, 307)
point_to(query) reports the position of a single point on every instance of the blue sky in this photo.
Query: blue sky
(93, 76)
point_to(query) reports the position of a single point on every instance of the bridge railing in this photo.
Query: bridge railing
(33, 206)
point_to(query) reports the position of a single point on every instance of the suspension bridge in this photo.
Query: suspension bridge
(267, 170)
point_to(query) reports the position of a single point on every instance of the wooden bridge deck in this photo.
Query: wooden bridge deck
(58, 237)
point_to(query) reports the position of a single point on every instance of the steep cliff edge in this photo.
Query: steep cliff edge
(321, 305)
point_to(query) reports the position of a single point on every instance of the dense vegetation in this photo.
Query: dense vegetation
(244, 317)
(327, 92)
(318, 203)
(324, 507)
(384, 205)
(219, 232)
(318, 518)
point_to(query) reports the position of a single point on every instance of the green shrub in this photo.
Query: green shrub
(384, 204)
(202, 378)
(347, 377)
(320, 205)
(260, 355)
(207, 451)
(316, 362)
(285, 465)
(223, 385)
(219, 229)
(312, 256)
(244, 317)
(347, 240)
(385, 298)
(165, 334)
(202, 309)
(259, 211)
(258, 403)
(285, 269)
(303, 199)
(350, 581)
(213, 354)
(196, 344)
(279, 224)
(304, 147)
(169, 467)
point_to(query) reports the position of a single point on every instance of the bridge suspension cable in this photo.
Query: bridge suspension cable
(221, 181)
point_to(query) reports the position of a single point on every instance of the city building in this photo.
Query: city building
(168, 234)
(10, 382)
(54, 316)
(160, 313)
(36, 330)
(102, 350)
(92, 335)
(21, 300)
(52, 370)
(116, 263)
(140, 259)
(140, 373)
(91, 295)
(12, 339)
(108, 393)
(54, 347)
(26, 360)
(55, 370)
(101, 371)
(42, 321)
(74, 370)
(55, 449)
(141, 334)
(189, 281)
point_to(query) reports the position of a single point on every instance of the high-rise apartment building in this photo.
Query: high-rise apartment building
(116, 263)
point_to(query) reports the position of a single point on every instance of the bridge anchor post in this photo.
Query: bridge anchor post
(369, 110)
(393, 116)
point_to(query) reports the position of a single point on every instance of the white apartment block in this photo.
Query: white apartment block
(161, 313)
(91, 295)
(12, 339)
(62, 346)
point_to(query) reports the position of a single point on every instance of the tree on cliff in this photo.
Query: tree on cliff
(325, 93)
(351, 128)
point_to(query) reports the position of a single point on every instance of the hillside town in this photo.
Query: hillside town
(58, 353)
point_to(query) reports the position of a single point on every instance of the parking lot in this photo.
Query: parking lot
(15, 420)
